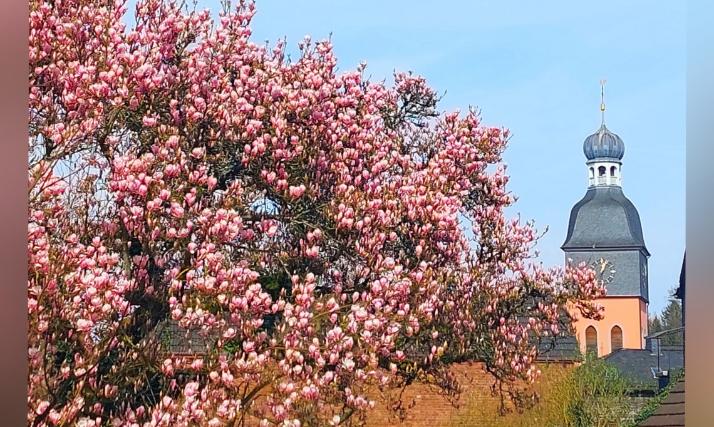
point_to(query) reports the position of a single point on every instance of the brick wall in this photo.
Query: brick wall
(477, 405)
(426, 407)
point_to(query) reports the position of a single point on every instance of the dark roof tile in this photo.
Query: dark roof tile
(636, 365)
(604, 218)
(671, 411)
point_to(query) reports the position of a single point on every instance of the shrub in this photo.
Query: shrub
(593, 394)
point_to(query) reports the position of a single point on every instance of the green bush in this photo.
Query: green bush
(598, 396)
(593, 394)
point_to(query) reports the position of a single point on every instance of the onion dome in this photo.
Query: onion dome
(603, 144)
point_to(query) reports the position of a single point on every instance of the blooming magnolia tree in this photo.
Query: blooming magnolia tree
(338, 237)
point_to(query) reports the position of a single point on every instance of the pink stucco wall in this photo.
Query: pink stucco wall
(629, 313)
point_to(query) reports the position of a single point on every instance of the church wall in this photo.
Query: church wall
(644, 321)
(623, 312)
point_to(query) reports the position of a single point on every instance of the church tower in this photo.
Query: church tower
(605, 232)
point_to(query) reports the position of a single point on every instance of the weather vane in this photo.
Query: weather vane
(602, 99)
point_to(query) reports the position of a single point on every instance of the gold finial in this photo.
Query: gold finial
(602, 99)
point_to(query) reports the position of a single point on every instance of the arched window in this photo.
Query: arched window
(591, 340)
(616, 338)
(612, 171)
(601, 171)
(592, 172)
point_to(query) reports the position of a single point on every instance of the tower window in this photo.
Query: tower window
(591, 340)
(612, 171)
(616, 338)
(592, 173)
(601, 171)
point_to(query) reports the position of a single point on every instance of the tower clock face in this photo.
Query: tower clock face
(604, 268)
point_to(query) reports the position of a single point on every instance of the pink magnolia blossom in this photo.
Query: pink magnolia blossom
(306, 227)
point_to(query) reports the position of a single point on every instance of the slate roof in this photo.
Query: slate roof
(604, 218)
(671, 411)
(636, 365)
(179, 341)
(563, 348)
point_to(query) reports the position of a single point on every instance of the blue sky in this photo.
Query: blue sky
(535, 67)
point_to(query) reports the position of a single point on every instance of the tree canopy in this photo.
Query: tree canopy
(335, 235)
(669, 319)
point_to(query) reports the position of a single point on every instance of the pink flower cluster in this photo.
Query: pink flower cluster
(325, 235)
